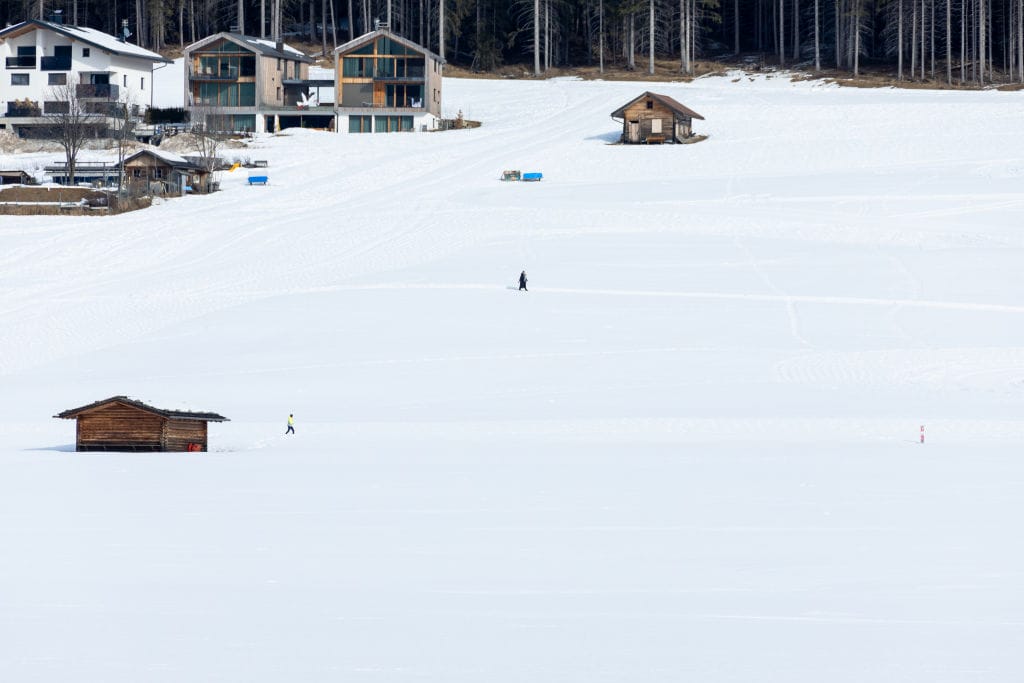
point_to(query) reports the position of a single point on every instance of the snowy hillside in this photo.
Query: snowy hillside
(689, 452)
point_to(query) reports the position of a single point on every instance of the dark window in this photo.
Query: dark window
(56, 107)
(85, 52)
(19, 79)
(57, 79)
(142, 83)
(650, 104)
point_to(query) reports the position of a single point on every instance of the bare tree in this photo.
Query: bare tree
(209, 128)
(124, 132)
(71, 123)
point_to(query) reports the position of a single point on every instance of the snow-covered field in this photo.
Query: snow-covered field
(689, 453)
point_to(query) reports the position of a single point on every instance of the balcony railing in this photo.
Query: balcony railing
(55, 64)
(97, 91)
(411, 74)
(21, 62)
(222, 75)
(23, 108)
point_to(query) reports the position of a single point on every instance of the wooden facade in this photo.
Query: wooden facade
(386, 83)
(242, 83)
(654, 119)
(123, 424)
(159, 173)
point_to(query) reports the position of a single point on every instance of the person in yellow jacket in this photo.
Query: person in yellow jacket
(291, 424)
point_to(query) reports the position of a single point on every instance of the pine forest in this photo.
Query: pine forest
(959, 42)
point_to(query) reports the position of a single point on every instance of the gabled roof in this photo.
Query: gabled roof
(383, 32)
(166, 157)
(664, 99)
(124, 400)
(261, 45)
(89, 36)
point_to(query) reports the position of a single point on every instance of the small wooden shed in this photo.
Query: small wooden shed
(151, 170)
(123, 424)
(15, 178)
(654, 119)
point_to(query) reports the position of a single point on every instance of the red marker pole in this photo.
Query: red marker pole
(922, 433)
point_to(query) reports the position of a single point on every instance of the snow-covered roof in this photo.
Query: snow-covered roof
(90, 36)
(269, 44)
(169, 157)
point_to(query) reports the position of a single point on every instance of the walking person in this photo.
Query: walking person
(522, 282)
(291, 424)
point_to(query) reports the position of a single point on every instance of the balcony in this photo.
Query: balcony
(97, 91)
(55, 64)
(21, 62)
(23, 108)
(411, 74)
(222, 75)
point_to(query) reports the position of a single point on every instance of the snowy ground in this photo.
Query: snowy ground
(690, 452)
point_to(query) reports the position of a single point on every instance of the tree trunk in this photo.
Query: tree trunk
(782, 32)
(796, 30)
(650, 41)
(899, 41)
(536, 37)
(949, 42)
(736, 25)
(817, 38)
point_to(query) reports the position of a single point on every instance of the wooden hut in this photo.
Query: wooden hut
(15, 178)
(160, 172)
(654, 119)
(123, 424)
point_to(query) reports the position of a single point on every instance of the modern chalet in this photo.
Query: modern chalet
(654, 119)
(239, 83)
(47, 64)
(386, 83)
(123, 424)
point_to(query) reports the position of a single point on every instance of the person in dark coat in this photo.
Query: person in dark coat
(522, 281)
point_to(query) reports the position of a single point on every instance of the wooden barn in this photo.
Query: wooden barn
(123, 424)
(654, 119)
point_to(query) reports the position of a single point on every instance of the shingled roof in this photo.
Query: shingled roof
(169, 414)
(665, 100)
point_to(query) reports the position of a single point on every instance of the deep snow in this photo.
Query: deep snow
(690, 452)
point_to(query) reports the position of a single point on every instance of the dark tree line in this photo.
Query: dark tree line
(959, 41)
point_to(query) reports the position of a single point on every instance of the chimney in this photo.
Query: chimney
(279, 45)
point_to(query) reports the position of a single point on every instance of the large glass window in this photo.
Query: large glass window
(359, 124)
(226, 94)
(247, 94)
(392, 124)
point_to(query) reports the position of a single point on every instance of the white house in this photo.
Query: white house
(42, 56)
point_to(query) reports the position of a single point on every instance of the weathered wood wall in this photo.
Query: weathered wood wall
(178, 434)
(125, 428)
(119, 428)
(639, 112)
